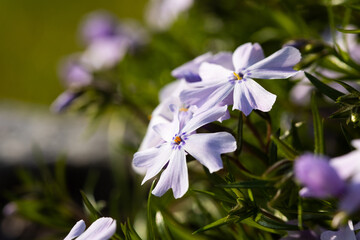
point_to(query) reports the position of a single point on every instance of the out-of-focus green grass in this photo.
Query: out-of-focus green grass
(36, 34)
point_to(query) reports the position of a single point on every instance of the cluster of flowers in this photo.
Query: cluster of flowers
(107, 41)
(205, 88)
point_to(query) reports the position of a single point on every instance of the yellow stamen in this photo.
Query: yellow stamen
(177, 140)
(183, 109)
(237, 76)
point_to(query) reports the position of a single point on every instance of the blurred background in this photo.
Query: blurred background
(48, 154)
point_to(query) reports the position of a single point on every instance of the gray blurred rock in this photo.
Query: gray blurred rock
(25, 129)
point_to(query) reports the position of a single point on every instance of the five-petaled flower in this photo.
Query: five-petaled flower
(178, 140)
(236, 86)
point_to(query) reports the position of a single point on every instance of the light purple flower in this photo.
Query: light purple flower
(104, 53)
(178, 141)
(319, 178)
(236, 86)
(344, 233)
(160, 14)
(74, 74)
(98, 25)
(190, 70)
(64, 100)
(102, 229)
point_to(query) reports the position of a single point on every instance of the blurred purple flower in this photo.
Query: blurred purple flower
(319, 178)
(236, 86)
(344, 233)
(74, 74)
(98, 25)
(190, 70)
(104, 53)
(160, 14)
(108, 40)
(102, 229)
(179, 139)
(64, 100)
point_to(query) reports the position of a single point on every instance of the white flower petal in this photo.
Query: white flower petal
(168, 130)
(240, 99)
(102, 229)
(198, 96)
(175, 176)
(247, 55)
(213, 73)
(158, 162)
(204, 117)
(145, 158)
(76, 231)
(255, 96)
(347, 165)
(279, 65)
(207, 148)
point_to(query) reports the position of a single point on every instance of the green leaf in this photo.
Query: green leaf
(318, 128)
(128, 231)
(150, 217)
(346, 135)
(217, 223)
(220, 197)
(284, 148)
(349, 88)
(273, 224)
(95, 214)
(273, 149)
(323, 88)
(247, 184)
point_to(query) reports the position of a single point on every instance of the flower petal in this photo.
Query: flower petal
(279, 65)
(175, 176)
(347, 165)
(240, 100)
(316, 174)
(158, 162)
(204, 117)
(207, 148)
(213, 73)
(168, 130)
(198, 96)
(249, 93)
(247, 55)
(144, 158)
(101, 229)
(76, 230)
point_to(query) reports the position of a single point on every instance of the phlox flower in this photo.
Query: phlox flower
(102, 229)
(178, 140)
(339, 177)
(319, 178)
(236, 86)
(75, 74)
(344, 233)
